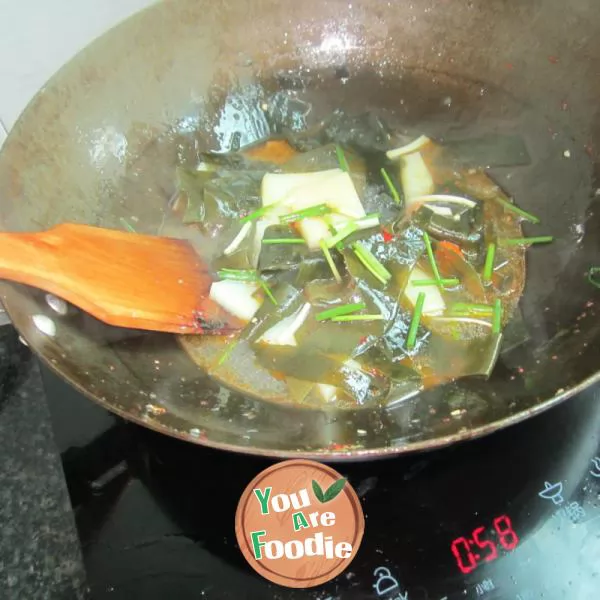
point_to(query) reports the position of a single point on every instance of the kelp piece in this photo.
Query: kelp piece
(281, 256)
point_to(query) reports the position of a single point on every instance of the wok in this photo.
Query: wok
(99, 142)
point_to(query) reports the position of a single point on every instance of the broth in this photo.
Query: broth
(368, 265)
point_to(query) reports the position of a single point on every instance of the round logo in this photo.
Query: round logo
(299, 523)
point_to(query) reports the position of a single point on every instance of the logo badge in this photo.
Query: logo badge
(299, 523)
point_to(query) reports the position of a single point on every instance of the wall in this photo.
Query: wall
(38, 36)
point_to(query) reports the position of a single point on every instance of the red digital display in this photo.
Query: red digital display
(472, 551)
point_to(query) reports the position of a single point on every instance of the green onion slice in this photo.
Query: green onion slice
(342, 159)
(284, 241)
(358, 318)
(307, 213)
(488, 268)
(434, 267)
(330, 262)
(267, 290)
(465, 308)
(519, 211)
(542, 239)
(391, 186)
(497, 321)
(339, 311)
(238, 274)
(342, 234)
(261, 212)
(371, 263)
(227, 353)
(411, 338)
(127, 225)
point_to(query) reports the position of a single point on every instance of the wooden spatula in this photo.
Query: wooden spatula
(124, 279)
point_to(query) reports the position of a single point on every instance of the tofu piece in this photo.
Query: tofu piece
(297, 191)
(434, 304)
(284, 332)
(416, 178)
(327, 392)
(236, 297)
(313, 230)
(293, 192)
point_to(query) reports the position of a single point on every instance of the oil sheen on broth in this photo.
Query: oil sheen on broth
(365, 270)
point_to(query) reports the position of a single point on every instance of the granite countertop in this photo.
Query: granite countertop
(40, 555)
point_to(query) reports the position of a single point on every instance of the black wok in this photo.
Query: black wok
(99, 143)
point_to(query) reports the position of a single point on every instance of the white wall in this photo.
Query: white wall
(38, 36)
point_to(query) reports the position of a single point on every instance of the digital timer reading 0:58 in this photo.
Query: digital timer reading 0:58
(471, 552)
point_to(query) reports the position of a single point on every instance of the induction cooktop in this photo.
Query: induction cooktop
(514, 516)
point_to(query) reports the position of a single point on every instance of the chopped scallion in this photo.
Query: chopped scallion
(261, 212)
(284, 241)
(542, 239)
(371, 263)
(594, 276)
(411, 338)
(330, 262)
(339, 311)
(422, 282)
(343, 233)
(342, 159)
(358, 318)
(368, 217)
(465, 308)
(519, 211)
(434, 267)
(306, 213)
(497, 321)
(227, 353)
(267, 290)
(488, 268)
(391, 186)
(238, 274)
(368, 221)
(127, 225)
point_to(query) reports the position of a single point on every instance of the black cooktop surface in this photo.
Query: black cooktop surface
(512, 516)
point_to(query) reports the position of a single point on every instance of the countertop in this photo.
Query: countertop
(40, 555)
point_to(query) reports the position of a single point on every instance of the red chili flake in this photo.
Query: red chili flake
(334, 446)
(387, 236)
(553, 59)
(362, 340)
(510, 66)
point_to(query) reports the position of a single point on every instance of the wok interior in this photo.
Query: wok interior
(100, 143)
